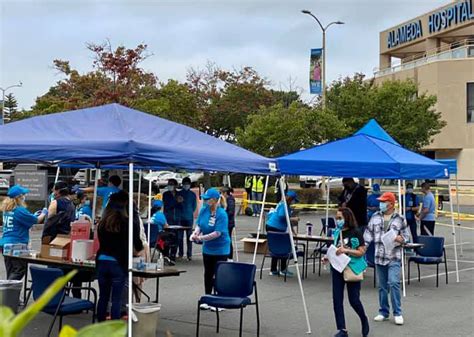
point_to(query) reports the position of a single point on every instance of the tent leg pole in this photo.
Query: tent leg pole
(295, 258)
(56, 178)
(130, 246)
(400, 209)
(328, 187)
(149, 208)
(260, 220)
(236, 250)
(459, 216)
(94, 204)
(139, 189)
(454, 230)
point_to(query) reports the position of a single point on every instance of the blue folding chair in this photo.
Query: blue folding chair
(153, 234)
(331, 224)
(432, 252)
(61, 305)
(370, 258)
(279, 246)
(234, 284)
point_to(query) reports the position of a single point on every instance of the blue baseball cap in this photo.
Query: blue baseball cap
(17, 190)
(157, 203)
(292, 195)
(211, 193)
(376, 187)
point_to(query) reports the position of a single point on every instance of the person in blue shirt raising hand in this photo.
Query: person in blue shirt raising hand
(17, 221)
(104, 191)
(212, 230)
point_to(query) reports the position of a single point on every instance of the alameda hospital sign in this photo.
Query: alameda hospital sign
(445, 18)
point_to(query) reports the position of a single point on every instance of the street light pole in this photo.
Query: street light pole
(3, 99)
(323, 82)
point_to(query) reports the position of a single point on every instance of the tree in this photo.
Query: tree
(279, 130)
(9, 107)
(407, 115)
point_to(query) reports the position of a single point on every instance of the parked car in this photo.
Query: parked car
(6, 177)
(161, 177)
(309, 181)
(335, 182)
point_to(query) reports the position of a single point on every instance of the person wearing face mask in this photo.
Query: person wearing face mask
(354, 196)
(104, 192)
(172, 206)
(412, 204)
(350, 241)
(84, 208)
(187, 198)
(372, 201)
(388, 263)
(212, 231)
(17, 221)
(277, 223)
(427, 216)
(228, 203)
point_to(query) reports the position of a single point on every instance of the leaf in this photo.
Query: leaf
(68, 331)
(108, 329)
(5, 314)
(24, 317)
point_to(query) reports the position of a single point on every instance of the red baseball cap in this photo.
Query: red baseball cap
(387, 196)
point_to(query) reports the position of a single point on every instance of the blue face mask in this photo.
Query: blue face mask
(87, 203)
(340, 223)
(383, 207)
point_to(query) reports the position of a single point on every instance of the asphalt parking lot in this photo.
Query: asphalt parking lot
(428, 311)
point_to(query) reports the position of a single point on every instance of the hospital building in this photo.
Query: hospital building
(436, 50)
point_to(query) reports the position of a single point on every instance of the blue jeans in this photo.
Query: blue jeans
(111, 279)
(181, 234)
(388, 278)
(257, 196)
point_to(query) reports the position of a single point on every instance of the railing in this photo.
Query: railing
(457, 50)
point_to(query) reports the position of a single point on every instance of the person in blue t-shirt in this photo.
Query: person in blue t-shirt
(188, 207)
(372, 201)
(277, 223)
(105, 191)
(17, 221)
(212, 231)
(411, 206)
(158, 218)
(427, 215)
(84, 208)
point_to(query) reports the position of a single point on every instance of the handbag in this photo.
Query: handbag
(348, 274)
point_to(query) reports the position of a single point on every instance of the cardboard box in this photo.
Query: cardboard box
(249, 245)
(58, 249)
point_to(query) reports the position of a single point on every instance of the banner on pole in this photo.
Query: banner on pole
(316, 71)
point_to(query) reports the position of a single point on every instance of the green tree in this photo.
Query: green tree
(10, 107)
(279, 130)
(407, 115)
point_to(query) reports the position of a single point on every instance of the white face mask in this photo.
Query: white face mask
(186, 187)
(171, 187)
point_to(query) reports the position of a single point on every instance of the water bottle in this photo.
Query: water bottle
(160, 263)
(309, 229)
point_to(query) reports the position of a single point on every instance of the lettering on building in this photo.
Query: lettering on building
(406, 33)
(459, 12)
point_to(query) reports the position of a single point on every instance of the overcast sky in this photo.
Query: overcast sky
(270, 35)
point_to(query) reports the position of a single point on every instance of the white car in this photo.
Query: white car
(335, 182)
(161, 177)
(308, 181)
(5, 177)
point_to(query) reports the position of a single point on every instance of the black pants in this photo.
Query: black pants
(210, 264)
(275, 260)
(15, 269)
(429, 225)
(413, 229)
(353, 290)
(111, 278)
(231, 255)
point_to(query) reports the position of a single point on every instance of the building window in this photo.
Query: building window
(470, 102)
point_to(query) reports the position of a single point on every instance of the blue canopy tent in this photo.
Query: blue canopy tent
(369, 153)
(116, 135)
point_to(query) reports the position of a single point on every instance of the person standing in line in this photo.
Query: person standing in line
(257, 194)
(212, 231)
(354, 196)
(277, 223)
(278, 190)
(427, 215)
(188, 208)
(17, 221)
(372, 201)
(227, 196)
(248, 186)
(112, 257)
(412, 205)
(173, 203)
(350, 241)
(388, 262)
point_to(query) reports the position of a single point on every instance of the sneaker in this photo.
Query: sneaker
(168, 261)
(230, 260)
(213, 309)
(399, 320)
(289, 274)
(380, 318)
(273, 273)
(189, 258)
(204, 306)
(341, 333)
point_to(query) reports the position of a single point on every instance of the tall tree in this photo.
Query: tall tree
(10, 107)
(405, 113)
